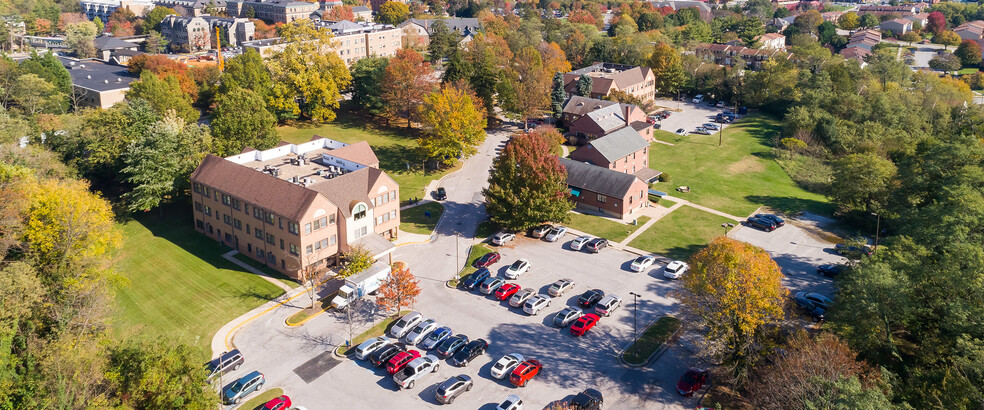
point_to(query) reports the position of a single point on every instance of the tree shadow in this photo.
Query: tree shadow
(792, 205)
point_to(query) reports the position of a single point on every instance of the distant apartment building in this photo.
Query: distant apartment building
(196, 33)
(774, 41)
(607, 77)
(297, 207)
(353, 40)
(971, 30)
(861, 45)
(272, 11)
(587, 119)
(194, 8)
(723, 54)
(419, 30)
(104, 8)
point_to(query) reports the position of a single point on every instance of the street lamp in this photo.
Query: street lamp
(726, 226)
(877, 229)
(635, 311)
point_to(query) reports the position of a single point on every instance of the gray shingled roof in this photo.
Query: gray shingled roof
(112, 43)
(597, 179)
(608, 118)
(618, 144)
(579, 105)
(265, 191)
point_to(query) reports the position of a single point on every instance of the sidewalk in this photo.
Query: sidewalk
(231, 257)
(655, 213)
(703, 208)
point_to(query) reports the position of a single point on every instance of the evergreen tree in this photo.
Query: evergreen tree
(557, 96)
(457, 69)
(584, 85)
(367, 84)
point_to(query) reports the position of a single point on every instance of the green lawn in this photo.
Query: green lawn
(179, 285)
(266, 269)
(413, 220)
(396, 148)
(477, 251)
(965, 71)
(681, 233)
(651, 339)
(737, 177)
(259, 400)
(603, 227)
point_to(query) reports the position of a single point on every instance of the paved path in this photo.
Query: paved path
(231, 257)
(566, 150)
(664, 142)
(703, 208)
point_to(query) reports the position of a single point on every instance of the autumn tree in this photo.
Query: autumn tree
(339, 13)
(308, 76)
(910, 37)
(242, 120)
(525, 90)
(405, 83)
(969, 53)
(164, 94)
(734, 289)
(849, 21)
(527, 185)
(159, 163)
(667, 68)
(453, 124)
(393, 13)
(935, 22)
(399, 290)
(163, 67)
(356, 260)
(947, 38)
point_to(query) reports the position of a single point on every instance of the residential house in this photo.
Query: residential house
(971, 30)
(723, 54)
(297, 207)
(602, 190)
(780, 24)
(623, 151)
(897, 26)
(774, 41)
(588, 118)
(97, 84)
(702, 7)
(272, 11)
(104, 8)
(861, 44)
(884, 9)
(832, 16)
(921, 18)
(417, 31)
(637, 81)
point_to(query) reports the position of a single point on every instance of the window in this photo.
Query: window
(602, 198)
(235, 204)
(257, 213)
(245, 208)
(227, 219)
(269, 218)
(271, 239)
(332, 240)
(226, 200)
(307, 228)
(259, 234)
(237, 223)
(331, 219)
(293, 228)
(317, 224)
(281, 244)
(247, 229)
(309, 249)
(198, 206)
(196, 187)
(259, 252)
(205, 191)
(360, 232)
(280, 222)
(392, 214)
(359, 212)
(293, 249)
(317, 245)
(208, 210)
(324, 243)
(199, 224)
(273, 259)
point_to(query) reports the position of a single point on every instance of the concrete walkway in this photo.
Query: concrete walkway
(664, 143)
(703, 208)
(231, 257)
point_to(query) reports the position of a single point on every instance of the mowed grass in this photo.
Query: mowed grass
(179, 286)
(738, 176)
(681, 233)
(260, 399)
(378, 330)
(396, 148)
(651, 339)
(603, 227)
(415, 220)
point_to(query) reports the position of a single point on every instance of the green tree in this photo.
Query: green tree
(869, 20)
(527, 185)
(558, 95)
(393, 13)
(306, 70)
(159, 163)
(457, 69)
(947, 38)
(100, 26)
(80, 39)
(945, 62)
(862, 182)
(667, 68)
(248, 72)
(164, 95)
(159, 375)
(367, 84)
(910, 37)
(849, 21)
(524, 89)
(969, 53)
(584, 85)
(242, 120)
(484, 78)
(154, 17)
(826, 32)
(808, 21)
(443, 41)
(453, 125)
(33, 95)
(156, 43)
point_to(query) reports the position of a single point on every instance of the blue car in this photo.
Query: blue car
(436, 337)
(243, 387)
(476, 278)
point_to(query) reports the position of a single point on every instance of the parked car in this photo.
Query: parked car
(502, 237)
(675, 269)
(681, 131)
(596, 245)
(657, 126)
(830, 270)
(366, 348)
(819, 300)
(278, 403)
(558, 288)
(513, 402)
(698, 98)
(536, 304)
(579, 242)
(763, 224)
(589, 298)
(506, 291)
(243, 387)
(584, 324)
(566, 316)
(520, 297)
(416, 369)
(451, 345)
(487, 260)
(476, 278)
(441, 194)
(556, 233)
(702, 131)
(506, 364)
(589, 399)
(641, 263)
(710, 103)
(436, 337)
(420, 331)
(541, 230)
(774, 218)
(491, 285)
(816, 312)
(406, 324)
(525, 372)
(517, 268)
(225, 363)
(721, 104)
(401, 360)
(691, 381)
(846, 250)
(469, 352)
(383, 355)
(452, 388)
(608, 305)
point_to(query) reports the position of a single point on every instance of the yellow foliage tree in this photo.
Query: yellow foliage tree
(307, 70)
(454, 124)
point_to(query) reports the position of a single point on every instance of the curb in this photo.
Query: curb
(309, 317)
(655, 355)
(334, 352)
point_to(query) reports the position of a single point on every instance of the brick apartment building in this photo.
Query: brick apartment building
(598, 189)
(589, 118)
(298, 206)
(639, 82)
(622, 151)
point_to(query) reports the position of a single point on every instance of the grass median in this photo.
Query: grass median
(477, 251)
(416, 219)
(603, 227)
(374, 331)
(651, 340)
(258, 401)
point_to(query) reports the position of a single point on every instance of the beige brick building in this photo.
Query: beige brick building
(353, 40)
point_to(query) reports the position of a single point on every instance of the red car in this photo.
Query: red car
(279, 403)
(506, 291)
(691, 381)
(400, 361)
(584, 324)
(487, 259)
(524, 372)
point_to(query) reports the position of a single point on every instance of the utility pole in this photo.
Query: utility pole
(635, 316)
(877, 228)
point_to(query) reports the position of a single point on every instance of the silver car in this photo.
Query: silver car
(520, 297)
(453, 387)
(558, 288)
(566, 316)
(556, 233)
(415, 370)
(536, 304)
(502, 237)
(366, 348)
(405, 324)
(578, 243)
(418, 333)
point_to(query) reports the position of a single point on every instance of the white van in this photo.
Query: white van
(699, 98)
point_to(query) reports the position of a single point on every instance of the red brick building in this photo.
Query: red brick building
(602, 190)
(622, 151)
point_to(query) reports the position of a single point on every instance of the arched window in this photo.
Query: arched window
(359, 212)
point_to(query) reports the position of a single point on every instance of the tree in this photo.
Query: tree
(947, 38)
(484, 78)
(100, 26)
(159, 163)
(527, 185)
(242, 120)
(367, 84)
(945, 62)
(969, 53)
(862, 182)
(393, 13)
(155, 43)
(524, 91)
(457, 69)
(339, 13)
(248, 72)
(584, 85)
(849, 21)
(154, 17)
(356, 260)
(399, 290)
(309, 71)
(164, 95)
(160, 375)
(734, 289)
(935, 22)
(443, 41)
(808, 22)
(667, 68)
(910, 37)
(80, 39)
(405, 83)
(558, 95)
(453, 124)
(869, 20)
(826, 33)
(34, 95)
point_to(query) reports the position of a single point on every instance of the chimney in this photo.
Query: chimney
(88, 77)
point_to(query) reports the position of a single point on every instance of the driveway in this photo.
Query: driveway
(689, 116)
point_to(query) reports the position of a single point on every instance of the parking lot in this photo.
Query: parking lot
(690, 115)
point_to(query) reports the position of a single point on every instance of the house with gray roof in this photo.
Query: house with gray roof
(597, 189)
(97, 84)
(419, 31)
(622, 151)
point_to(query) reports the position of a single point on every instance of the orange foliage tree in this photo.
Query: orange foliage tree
(399, 290)
(339, 13)
(162, 66)
(408, 78)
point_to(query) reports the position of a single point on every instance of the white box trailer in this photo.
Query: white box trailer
(359, 285)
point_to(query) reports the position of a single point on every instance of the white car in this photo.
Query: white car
(366, 348)
(675, 269)
(536, 304)
(641, 263)
(405, 324)
(520, 297)
(556, 233)
(608, 305)
(579, 243)
(418, 333)
(513, 402)
(517, 268)
(559, 287)
(415, 370)
(506, 364)
(502, 237)
(698, 98)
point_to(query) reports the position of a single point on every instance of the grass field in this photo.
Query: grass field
(651, 339)
(602, 227)
(179, 284)
(737, 177)
(396, 148)
(266, 269)
(681, 233)
(413, 220)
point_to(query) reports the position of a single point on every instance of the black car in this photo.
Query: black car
(476, 278)
(468, 353)
(816, 312)
(589, 298)
(589, 399)
(441, 194)
(852, 250)
(830, 270)
(385, 353)
(763, 224)
(596, 245)
(451, 345)
(774, 218)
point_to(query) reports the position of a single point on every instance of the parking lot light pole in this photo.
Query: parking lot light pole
(726, 226)
(877, 228)
(635, 316)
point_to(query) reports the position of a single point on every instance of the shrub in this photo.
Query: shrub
(664, 177)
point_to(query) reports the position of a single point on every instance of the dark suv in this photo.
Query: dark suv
(468, 353)
(441, 194)
(589, 298)
(382, 355)
(225, 363)
(596, 245)
(476, 278)
(774, 218)
(762, 223)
